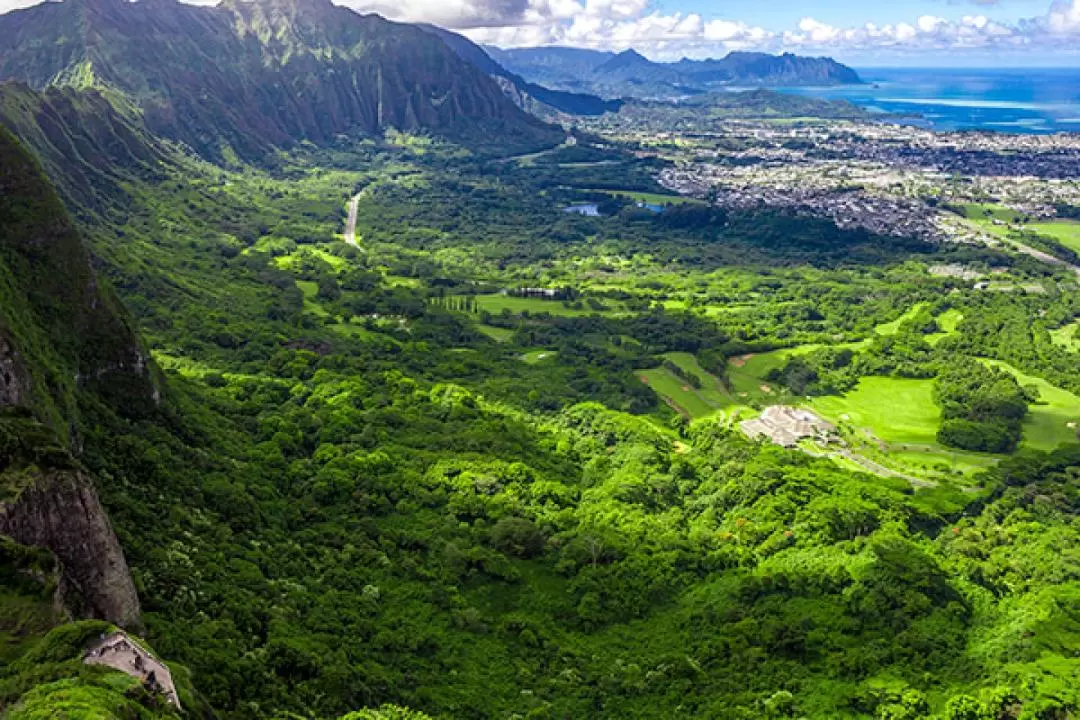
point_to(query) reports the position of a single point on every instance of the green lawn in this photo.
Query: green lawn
(672, 389)
(892, 327)
(1066, 232)
(534, 356)
(1047, 425)
(711, 390)
(985, 212)
(288, 262)
(495, 304)
(652, 198)
(747, 373)
(1067, 336)
(897, 410)
(310, 288)
(901, 412)
(498, 334)
(695, 402)
(358, 331)
(948, 321)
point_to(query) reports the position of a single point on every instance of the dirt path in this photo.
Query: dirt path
(350, 221)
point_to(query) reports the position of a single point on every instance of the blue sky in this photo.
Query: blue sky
(862, 33)
(866, 33)
(781, 15)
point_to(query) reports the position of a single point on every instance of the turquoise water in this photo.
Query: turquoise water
(1023, 101)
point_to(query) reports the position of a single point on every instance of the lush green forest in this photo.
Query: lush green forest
(392, 473)
(489, 460)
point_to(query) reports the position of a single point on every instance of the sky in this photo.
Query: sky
(862, 33)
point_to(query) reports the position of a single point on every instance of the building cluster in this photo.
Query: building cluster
(884, 178)
(849, 208)
(786, 425)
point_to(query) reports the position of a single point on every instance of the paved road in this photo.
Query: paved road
(350, 221)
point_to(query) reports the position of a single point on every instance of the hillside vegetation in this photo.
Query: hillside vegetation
(421, 477)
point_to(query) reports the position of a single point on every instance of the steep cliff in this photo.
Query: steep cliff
(61, 332)
(537, 99)
(85, 145)
(249, 77)
(64, 341)
(57, 508)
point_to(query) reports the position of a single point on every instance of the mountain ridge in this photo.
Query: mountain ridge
(245, 78)
(525, 94)
(631, 74)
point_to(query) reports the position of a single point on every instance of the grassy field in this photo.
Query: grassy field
(1067, 336)
(902, 413)
(495, 304)
(498, 334)
(893, 326)
(694, 402)
(288, 262)
(1047, 425)
(534, 356)
(897, 410)
(711, 390)
(748, 373)
(948, 321)
(310, 289)
(985, 212)
(677, 392)
(1066, 232)
(358, 331)
(652, 198)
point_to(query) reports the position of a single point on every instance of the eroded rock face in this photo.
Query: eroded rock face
(59, 510)
(14, 380)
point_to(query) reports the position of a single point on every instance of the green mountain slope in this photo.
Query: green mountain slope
(529, 96)
(68, 356)
(246, 77)
(354, 496)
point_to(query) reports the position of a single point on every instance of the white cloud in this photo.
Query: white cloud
(1064, 17)
(619, 24)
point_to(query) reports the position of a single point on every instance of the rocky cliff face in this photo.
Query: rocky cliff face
(59, 510)
(63, 341)
(249, 77)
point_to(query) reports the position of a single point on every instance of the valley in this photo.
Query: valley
(385, 433)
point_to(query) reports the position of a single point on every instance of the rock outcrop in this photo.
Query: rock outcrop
(59, 510)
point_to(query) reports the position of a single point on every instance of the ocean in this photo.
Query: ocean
(1029, 100)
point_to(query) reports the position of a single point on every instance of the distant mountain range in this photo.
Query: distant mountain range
(530, 96)
(99, 78)
(243, 78)
(630, 74)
